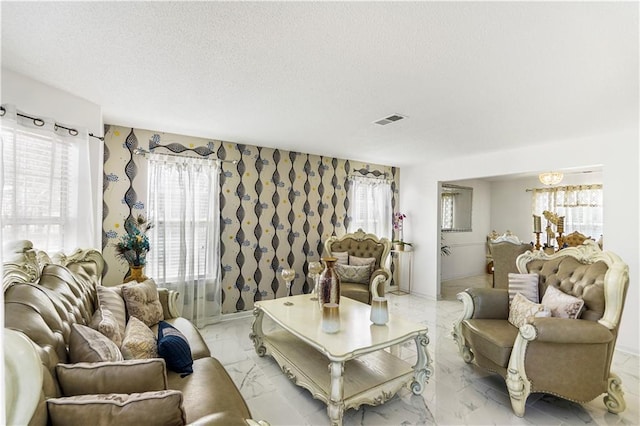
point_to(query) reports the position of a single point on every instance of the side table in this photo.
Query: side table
(404, 271)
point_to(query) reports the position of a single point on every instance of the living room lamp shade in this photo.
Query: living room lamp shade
(551, 178)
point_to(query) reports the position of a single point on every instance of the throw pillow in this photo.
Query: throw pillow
(342, 256)
(142, 375)
(105, 322)
(157, 408)
(89, 345)
(354, 274)
(174, 348)
(363, 261)
(139, 341)
(143, 302)
(562, 305)
(522, 309)
(111, 298)
(525, 284)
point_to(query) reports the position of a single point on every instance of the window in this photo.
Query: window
(184, 256)
(370, 206)
(42, 184)
(447, 210)
(580, 205)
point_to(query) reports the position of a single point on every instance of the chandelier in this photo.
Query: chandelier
(551, 178)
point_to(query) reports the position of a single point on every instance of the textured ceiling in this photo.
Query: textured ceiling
(313, 77)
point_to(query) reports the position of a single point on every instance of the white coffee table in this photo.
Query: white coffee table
(360, 371)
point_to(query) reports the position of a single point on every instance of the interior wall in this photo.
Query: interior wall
(38, 99)
(277, 208)
(468, 249)
(617, 153)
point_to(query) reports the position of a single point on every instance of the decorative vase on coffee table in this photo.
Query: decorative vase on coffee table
(329, 283)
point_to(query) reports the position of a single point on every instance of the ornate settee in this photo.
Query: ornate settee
(43, 299)
(569, 358)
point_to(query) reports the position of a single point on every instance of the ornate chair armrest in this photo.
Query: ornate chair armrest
(169, 301)
(570, 331)
(378, 281)
(487, 303)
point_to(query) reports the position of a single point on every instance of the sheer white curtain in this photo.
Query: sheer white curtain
(370, 206)
(46, 184)
(581, 206)
(184, 256)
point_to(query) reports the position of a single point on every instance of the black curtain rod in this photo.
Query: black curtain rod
(39, 122)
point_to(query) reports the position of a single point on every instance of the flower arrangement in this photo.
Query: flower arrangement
(398, 220)
(134, 245)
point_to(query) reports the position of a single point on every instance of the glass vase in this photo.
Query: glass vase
(329, 283)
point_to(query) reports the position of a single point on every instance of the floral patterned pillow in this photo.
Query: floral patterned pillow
(522, 309)
(562, 305)
(139, 341)
(143, 302)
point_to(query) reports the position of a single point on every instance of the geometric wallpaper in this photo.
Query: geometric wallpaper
(276, 207)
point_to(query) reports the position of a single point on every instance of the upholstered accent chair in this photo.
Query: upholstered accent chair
(504, 255)
(569, 358)
(362, 246)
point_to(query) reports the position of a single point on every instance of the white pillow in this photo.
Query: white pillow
(562, 305)
(525, 284)
(342, 256)
(522, 309)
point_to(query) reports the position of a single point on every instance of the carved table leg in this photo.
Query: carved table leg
(423, 369)
(257, 334)
(335, 407)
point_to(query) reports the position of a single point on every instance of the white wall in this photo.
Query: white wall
(617, 153)
(468, 249)
(38, 99)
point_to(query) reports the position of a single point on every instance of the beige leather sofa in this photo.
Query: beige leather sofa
(43, 298)
(569, 358)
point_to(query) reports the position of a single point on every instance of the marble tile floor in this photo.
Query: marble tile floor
(456, 394)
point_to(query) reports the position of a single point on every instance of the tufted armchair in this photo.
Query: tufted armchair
(569, 358)
(362, 245)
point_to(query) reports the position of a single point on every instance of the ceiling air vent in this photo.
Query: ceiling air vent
(390, 119)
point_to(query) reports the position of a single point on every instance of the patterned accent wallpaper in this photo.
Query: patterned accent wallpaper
(277, 207)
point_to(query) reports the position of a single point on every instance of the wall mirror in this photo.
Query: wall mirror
(455, 208)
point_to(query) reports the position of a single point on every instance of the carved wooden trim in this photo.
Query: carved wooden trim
(23, 377)
(518, 384)
(614, 399)
(467, 313)
(80, 256)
